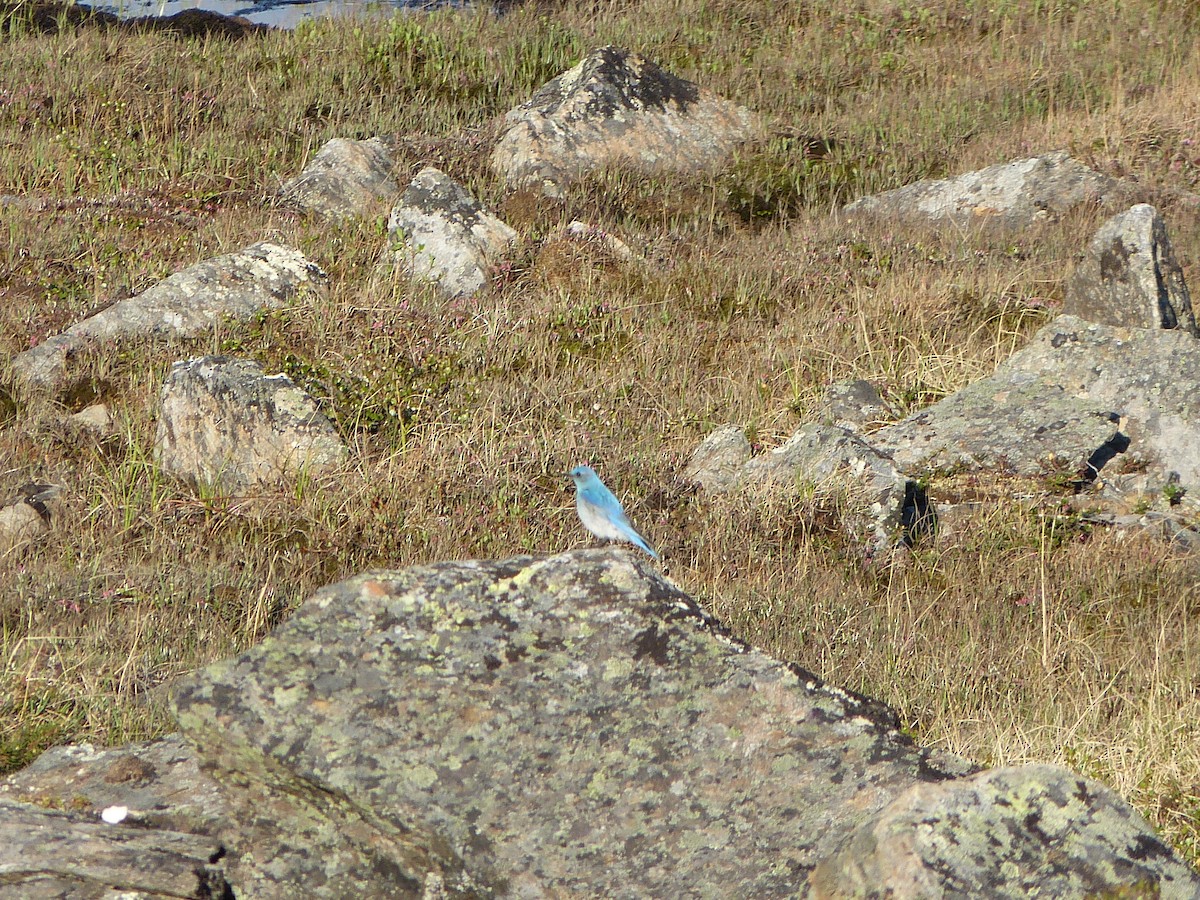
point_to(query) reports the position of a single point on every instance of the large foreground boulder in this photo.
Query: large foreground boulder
(617, 109)
(236, 285)
(576, 726)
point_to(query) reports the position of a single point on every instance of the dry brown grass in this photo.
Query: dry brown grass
(1023, 635)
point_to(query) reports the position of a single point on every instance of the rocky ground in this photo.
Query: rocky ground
(929, 438)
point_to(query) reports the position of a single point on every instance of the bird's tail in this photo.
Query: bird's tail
(641, 542)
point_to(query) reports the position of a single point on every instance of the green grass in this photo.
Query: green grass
(1022, 635)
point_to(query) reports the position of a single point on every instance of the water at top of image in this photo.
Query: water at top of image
(276, 13)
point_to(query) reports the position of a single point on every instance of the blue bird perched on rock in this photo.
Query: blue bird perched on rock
(601, 512)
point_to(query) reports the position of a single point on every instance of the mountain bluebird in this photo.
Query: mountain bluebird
(601, 512)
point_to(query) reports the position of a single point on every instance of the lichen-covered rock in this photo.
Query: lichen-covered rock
(576, 726)
(882, 506)
(227, 424)
(1006, 196)
(829, 457)
(159, 782)
(1130, 276)
(716, 464)
(50, 853)
(565, 726)
(853, 404)
(345, 179)
(1014, 422)
(1032, 831)
(1079, 397)
(617, 109)
(440, 233)
(236, 285)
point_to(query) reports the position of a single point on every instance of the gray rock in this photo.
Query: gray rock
(854, 405)
(1015, 422)
(576, 726)
(829, 457)
(617, 109)
(1130, 276)
(1184, 536)
(1007, 196)
(237, 285)
(882, 506)
(1008, 833)
(1149, 376)
(159, 782)
(26, 515)
(345, 179)
(716, 464)
(1174, 529)
(1080, 396)
(224, 423)
(565, 726)
(51, 854)
(95, 420)
(20, 523)
(440, 233)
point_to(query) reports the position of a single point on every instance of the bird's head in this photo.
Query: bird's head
(582, 475)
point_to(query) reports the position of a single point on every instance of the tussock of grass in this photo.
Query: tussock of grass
(1023, 635)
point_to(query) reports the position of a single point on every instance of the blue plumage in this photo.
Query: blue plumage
(600, 511)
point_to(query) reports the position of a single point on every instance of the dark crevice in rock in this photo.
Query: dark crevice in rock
(1104, 454)
(918, 518)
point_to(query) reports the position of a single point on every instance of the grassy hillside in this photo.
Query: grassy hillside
(1024, 635)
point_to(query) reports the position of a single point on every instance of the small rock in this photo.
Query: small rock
(716, 464)
(1007, 196)
(20, 522)
(236, 285)
(225, 423)
(27, 514)
(825, 455)
(854, 405)
(440, 233)
(95, 419)
(1182, 535)
(617, 109)
(345, 179)
(1130, 276)
(581, 231)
